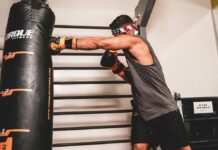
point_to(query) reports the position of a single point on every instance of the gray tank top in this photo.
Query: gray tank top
(153, 97)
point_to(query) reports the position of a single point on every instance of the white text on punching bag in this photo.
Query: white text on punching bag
(20, 34)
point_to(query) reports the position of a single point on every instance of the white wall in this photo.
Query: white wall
(182, 34)
(4, 11)
(215, 17)
(91, 12)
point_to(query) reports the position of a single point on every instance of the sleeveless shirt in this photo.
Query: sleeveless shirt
(150, 91)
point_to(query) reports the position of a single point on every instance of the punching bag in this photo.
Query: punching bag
(26, 102)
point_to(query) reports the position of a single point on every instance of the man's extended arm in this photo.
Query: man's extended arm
(135, 45)
(93, 43)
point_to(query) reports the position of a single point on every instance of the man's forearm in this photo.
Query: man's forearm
(127, 76)
(88, 43)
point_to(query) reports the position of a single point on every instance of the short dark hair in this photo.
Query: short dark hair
(120, 21)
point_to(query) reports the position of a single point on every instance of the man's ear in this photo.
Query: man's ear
(136, 32)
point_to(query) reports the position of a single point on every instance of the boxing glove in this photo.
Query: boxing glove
(60, 43)
(109, 59)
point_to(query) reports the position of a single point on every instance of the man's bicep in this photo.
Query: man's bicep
(115, 43)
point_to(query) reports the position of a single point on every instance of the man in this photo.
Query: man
(139, 132)
(159, 120)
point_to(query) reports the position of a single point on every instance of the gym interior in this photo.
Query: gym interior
(91, 107)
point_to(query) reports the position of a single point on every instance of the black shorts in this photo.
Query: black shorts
(168, 131)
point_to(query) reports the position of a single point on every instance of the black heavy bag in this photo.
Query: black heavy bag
(26, 102)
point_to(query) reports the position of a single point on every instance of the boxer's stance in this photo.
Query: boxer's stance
(158, 120)
(139, 131)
